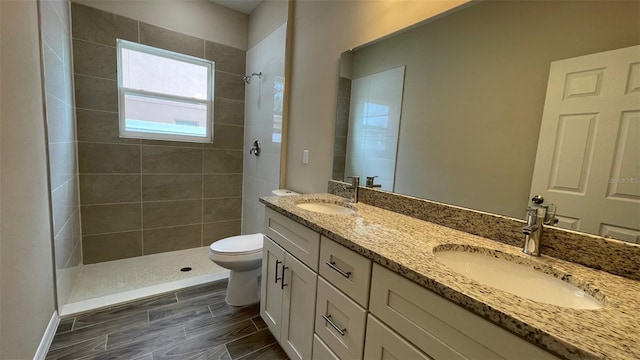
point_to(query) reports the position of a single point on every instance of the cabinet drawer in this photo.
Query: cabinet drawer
(298, 240)
(384, 343)
(340, 322)
(345, 269)
(440, 328)
(321, 351)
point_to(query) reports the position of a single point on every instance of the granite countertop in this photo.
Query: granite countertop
(406, 246)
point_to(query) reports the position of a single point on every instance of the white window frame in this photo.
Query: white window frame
(122, 91)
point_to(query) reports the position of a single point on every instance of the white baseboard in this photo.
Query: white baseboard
(47, 338)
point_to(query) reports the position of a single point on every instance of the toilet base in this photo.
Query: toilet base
(242, 289)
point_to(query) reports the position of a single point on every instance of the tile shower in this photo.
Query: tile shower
(141, 197)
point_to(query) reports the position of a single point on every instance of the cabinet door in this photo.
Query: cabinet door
(383, 343)
(298, 308)
(270, 290)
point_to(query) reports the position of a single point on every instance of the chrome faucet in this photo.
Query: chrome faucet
(533, 232)
(355, 182)
(370, 182)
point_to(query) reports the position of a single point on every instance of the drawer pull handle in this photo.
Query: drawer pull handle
(327, 318)
(282, 284)
(332, 265)
(276, 272)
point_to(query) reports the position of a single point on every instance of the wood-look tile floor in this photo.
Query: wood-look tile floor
(194, 323)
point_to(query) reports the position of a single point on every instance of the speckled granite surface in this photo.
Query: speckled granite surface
(406, 246)
(616, 257)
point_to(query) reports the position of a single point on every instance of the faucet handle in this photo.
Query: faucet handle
(355, 180)
(370, 180)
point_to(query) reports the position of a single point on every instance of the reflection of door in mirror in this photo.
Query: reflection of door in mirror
(588, 158)
(374, 113)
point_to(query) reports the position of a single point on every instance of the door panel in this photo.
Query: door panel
(298, 309)
(270, 290)
(588, 158)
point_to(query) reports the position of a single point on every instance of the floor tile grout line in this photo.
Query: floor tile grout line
(253, 352)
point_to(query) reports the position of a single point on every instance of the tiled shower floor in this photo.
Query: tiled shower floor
(113, 282)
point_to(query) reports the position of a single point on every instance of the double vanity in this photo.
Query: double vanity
(351, 281)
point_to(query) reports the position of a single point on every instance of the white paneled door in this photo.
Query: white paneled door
(588, 158)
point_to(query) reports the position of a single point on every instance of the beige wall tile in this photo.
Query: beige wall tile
(227, 111)
(227, 58)
(94, 59)
(170, 40)
(108, 158)
(227, 137)
(173, 238)
(100, 219)
(100, 126)
(101, 27)
(167, 159)
(99, 248)
(171, 213)
(96, 93)
(219, 230)
(222, 185)
(221, 209)
(222, 161)
(171, 187)
(229, 86)
(106, 189)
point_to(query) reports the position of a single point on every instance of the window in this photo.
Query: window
(163, 95)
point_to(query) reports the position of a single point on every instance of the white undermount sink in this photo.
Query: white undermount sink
(326, 208)
(517, 279)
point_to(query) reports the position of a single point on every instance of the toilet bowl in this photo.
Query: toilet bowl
(242, 255)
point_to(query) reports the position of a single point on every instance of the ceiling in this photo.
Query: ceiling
(243, 6)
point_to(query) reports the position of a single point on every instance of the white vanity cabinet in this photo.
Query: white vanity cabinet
(356, 309)
(288, 288)
(438, 327)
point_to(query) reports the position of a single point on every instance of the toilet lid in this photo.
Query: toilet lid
(238, 245)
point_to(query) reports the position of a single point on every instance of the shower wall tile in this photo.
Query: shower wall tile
(222, 161)
(227, 58)
(62, 163)
(100, 127)
(171, 187)
(107, 247)
(166, 159)
(96, 93)
(147, 196)
(108, 158)
(171, 143)
(229, 86)
(101, 219)
(94, 59)
(227, 137)
(59, 121)
(227, 111)
(61, 141)
(101, 27)
(222, 209)
(106, 189)
(64, 201)
(222, 185)
(171, 213)
(170, 40)
(219, 230)
(172, 238)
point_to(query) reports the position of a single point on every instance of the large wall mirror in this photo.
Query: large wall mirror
(471, 104)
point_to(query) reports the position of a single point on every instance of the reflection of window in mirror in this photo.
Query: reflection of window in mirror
(374, 114)
(278, 100)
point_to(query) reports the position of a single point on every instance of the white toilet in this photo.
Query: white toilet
(242, 255)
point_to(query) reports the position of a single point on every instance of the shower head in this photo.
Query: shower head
(247, 78)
